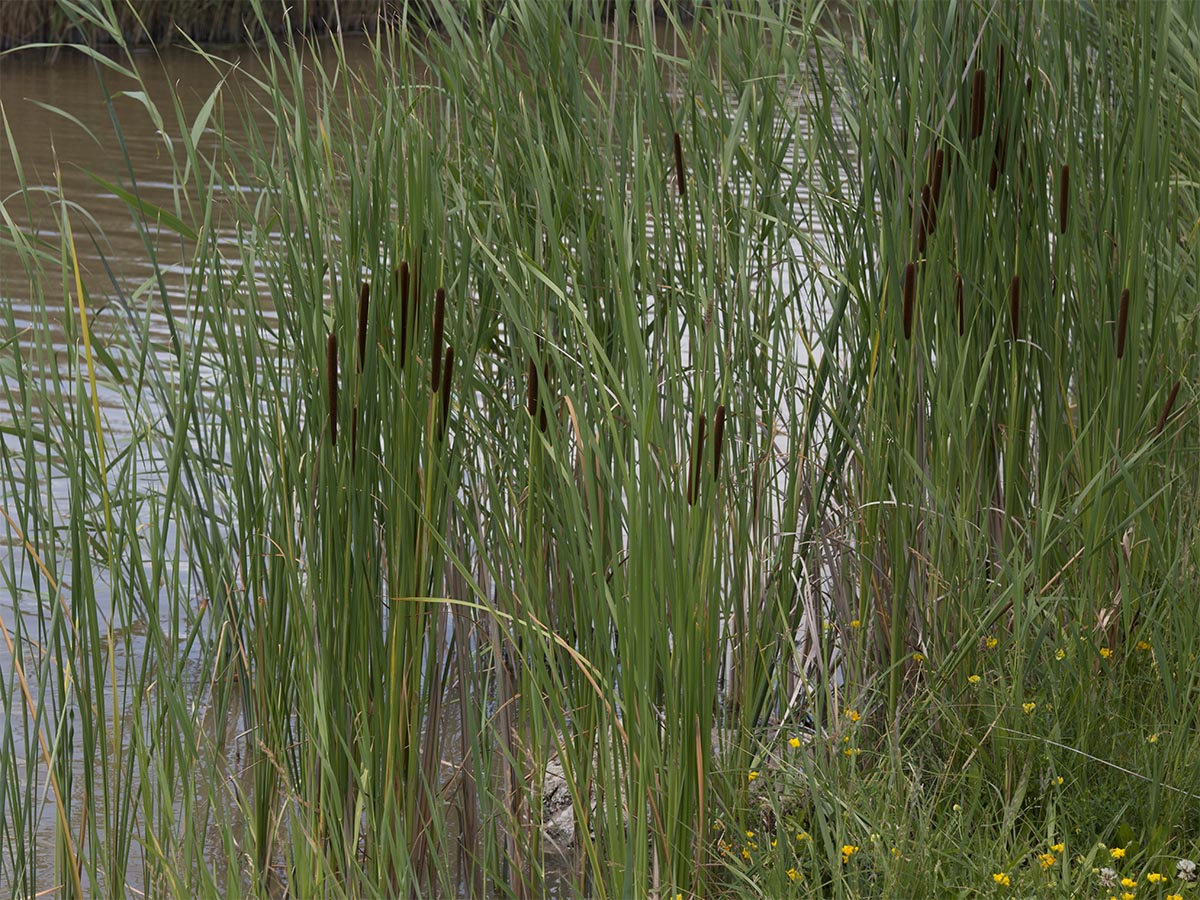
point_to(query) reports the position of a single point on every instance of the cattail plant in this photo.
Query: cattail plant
(979, 85)
(958, 302)
(693, 486)
(447, 374)
(910, 286)
(364, 303)
(1122, 321)
(402, 279)
(680, 181)
(1166, 413)
(1064, 197)
(1014, 304)
(926, 226)
(435, 350)
(331, 374)
(999, 154)
(718, 440)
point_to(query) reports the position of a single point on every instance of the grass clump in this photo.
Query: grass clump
(767, 432)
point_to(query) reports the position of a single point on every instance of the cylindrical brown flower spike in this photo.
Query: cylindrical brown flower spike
(978, 87)
(331, 375)
(926, 228)
(1014, 304)
(435, 352)
(680, 180)
(446, 376)
(718, 440)
(1166, 413)
(1064, 197)
(531, 399)
(403, 277)
(693, 490)
(364, 304)
(939, 162)
(958, 302)
(1122, 321)
(910, 287)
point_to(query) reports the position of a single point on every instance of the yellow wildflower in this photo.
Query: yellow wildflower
(1106, 652)
(1001, 879)
(1028, 707)
(856, 623)
(794, 742)
(992, 644)
(1047, 860)
(974, 679)
(1174, 896)
(848, 850)
(803, 836)
(752, 775)
(852, 715)
(1056, 848)
(1128, 895)
(896, 852)
(1144, 645)
(852, 751)
(745, 853)
(1060, 653)
(792, 874)
(1128, 882)
(1116, 852)
(1156, 878)
(1058, 780)
(1152, 738)
(918, 657)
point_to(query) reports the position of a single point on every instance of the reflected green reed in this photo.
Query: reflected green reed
(690, 410)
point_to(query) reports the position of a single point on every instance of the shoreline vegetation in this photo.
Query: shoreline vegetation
(160, 22)
(784, 435)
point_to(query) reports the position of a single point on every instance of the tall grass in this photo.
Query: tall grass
(690, 409)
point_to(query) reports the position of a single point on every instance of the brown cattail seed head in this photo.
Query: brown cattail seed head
(910, 287)
(927, 214)
(978, 87)
(680, 181)
(718, 440)
(693, 490)
(331, 375)
(435, 353)
(531, 399)
(1014, 304)
(1122, 321)
(402, 276)
(447, 374)
(364, 304)
(958, 302)
(1166, 413)
(1064, 197)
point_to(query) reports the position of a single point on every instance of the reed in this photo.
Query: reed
(411, 655)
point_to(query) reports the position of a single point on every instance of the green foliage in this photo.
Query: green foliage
(719, 510)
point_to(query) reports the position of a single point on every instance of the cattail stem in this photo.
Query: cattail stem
(364, 305)
(446, 376)
(978, 87)
(1064, 198)
(910, 289)
(958, 302)
(693, 489)
(435, 352)
(331, 375)
(402, 276)
(1014, 305)
(680, 180)
(1166, 413)
(718, 440)
(1122, 321)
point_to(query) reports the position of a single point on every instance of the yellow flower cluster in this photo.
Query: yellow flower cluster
(1001, 879)
(848, 850)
